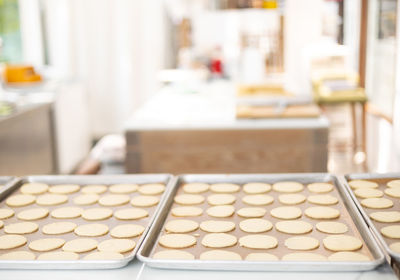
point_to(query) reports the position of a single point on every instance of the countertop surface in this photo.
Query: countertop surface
(211, 107)
(139, 271)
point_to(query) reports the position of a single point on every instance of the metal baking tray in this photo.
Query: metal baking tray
(381, 179)
(7, 182)
(84, 180)
(349, 211)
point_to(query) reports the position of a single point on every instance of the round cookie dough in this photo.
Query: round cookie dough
(286, 212)
(51, 199)
(393, 184)
(258, 199)
(86, 199)
(189, 199)
(98, 189)
(221, 199)
(220, 255)
(331, 227)
(59, 228)
(21, 228)
(11, 241)
(224, 188)
(368, 193)
(221, 211)
(377, 203)
(117, 245)
(195, 188)
(258, 241)
(104, 256)
(177, 241)
(127, 231)
(91, 230)
(67, 213)
(261, 257)
(393, 192)
(320, 187)
(217, 226)
(305, 257)
(96, 214)
(256, 188)
(356, 184)
(46, 244)
(152, 189)
(218, 240)
(123, 188)
(291, 198)
(186, 211)
(181, 226)
(302, 243)
(18, 255)
(386, 217)
(80, 245)
(255, 225)
(395, 247)
(145, 200)
(288, 187)
(293, 227)
(64, 189)
(6, 213)
(131, 214)
(348, 257)
(391, 231)
(58, 256)
(33, 214)
(173, 255)
(322, 212)
(343, 242)
(323, 199)
(251, 212)
(20, 200)
(114, 199)
(34, 188)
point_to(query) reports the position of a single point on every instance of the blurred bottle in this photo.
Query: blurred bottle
(216, 63)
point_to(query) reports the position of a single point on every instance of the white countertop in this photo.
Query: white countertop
(212, 107)
(139, 271)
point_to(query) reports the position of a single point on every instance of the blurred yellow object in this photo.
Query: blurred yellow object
(270, 4)
(290, 111)
(20, 74)
(262, 89)
(336, 87)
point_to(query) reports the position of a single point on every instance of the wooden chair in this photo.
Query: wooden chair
(342, 87)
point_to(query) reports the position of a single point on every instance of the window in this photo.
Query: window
(11, 50)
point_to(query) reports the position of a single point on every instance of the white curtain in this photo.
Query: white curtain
(115, 46)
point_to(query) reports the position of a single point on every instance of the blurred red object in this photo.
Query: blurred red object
(216, 66)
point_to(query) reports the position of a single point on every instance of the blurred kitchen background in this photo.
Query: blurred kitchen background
(102, 86)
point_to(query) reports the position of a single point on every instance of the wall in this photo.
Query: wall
(303, 25)
(116, 47)
(396, 111)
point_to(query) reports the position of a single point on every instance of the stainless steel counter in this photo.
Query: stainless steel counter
(139, 271)
(26, 141)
